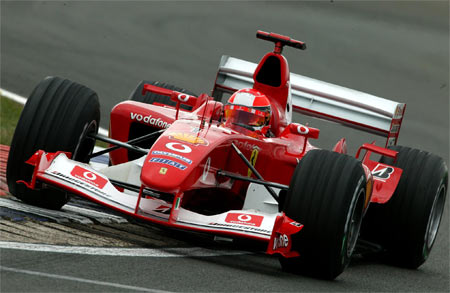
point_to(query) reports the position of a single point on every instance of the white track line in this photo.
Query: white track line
(13, 96)
(81, 280)
(23, 100)
(112, 251)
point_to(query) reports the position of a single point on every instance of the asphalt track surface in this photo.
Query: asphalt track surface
(396, 50)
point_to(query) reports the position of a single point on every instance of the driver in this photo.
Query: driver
(249, 110)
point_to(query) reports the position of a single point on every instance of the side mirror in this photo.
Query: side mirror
(177, 97)
(299, 129)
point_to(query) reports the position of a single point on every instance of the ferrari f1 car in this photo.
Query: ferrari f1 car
(177, 160)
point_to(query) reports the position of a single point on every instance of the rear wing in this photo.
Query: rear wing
(320, 99)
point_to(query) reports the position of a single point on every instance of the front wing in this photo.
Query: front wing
(58, 170)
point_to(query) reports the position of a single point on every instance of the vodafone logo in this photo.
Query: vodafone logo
(302, 129)
(244, 219)
(88, 176)
(282, 241)
(178, 147)
(183, 98)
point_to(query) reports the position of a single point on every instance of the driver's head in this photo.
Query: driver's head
(248, 108)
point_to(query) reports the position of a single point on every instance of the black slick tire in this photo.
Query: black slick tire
(327, 195)
(56, 117)
(407, 225)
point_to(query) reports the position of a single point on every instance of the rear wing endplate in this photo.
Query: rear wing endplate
(320, 99)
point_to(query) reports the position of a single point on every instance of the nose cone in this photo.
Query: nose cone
(175, 161)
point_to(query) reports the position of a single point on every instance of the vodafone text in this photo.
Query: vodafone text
(158, 122)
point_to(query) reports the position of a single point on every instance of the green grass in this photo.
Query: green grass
(9, 115)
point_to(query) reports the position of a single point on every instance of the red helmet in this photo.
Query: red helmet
(248, 108)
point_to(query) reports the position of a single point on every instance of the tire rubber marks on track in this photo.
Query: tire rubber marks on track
(131, 252)
(68, 214)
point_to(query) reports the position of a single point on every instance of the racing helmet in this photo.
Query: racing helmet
(249, 109)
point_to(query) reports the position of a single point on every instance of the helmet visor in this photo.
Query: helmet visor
(242, 115)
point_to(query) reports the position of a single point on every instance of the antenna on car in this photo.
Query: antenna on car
(280, 41)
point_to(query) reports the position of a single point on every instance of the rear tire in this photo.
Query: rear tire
(151, 98)
(56, 117)
(407, 225)
(327, 195)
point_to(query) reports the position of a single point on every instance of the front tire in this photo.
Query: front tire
(407, 225)
(56, 117)
(327, 195)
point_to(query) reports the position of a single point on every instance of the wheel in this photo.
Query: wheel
(327, 195)
(57, 117)
(151, 98)
(407, 225)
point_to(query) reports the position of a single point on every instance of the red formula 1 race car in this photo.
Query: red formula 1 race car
(239, 168)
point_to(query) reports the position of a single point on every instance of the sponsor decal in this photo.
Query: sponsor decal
(150, 120)
(280, 241)
(391, 141)
(163, 210)
(398, 111)
(178, 147)
(189, 138)
(244, 219)
(80, 183)
(163, 170)
(183, 97)
(88, 176)
(246, 145)
(206, 168)
(395, 128)
(241, 227)
(382, 172)
(253, 158)
(296, 224)
(176, 156)
(168, 162)
(302, 129)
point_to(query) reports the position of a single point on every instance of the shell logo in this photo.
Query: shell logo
(189, 138)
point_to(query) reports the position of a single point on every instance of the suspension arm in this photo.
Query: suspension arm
(269, 189)
(135, 140)
(257, 181)
(120, 144)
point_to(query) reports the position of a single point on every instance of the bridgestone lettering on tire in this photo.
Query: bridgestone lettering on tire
(406, 226)
(57, 116)
(327, 195)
